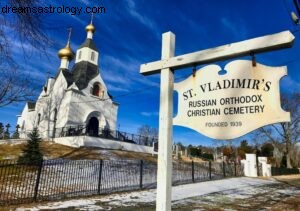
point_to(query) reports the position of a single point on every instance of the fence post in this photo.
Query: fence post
(37, 182)
(210, 170)
(141, 174)
(100, 175)
(193, 171)
(224, 174)
(235, 169)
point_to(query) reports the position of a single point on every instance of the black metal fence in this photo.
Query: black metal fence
(60, 179)
(81, 130)
(275, 171)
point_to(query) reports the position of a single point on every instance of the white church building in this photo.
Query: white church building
(76, 96)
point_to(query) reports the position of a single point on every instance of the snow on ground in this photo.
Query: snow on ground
(234, 187)
(108, 155)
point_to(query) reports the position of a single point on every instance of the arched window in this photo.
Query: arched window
(55, 115)
(93, 56)
(39, 119)
(23, 125)
(54, 123)
(96, 89)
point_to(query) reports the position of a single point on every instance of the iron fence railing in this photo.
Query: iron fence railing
(60, 178)
(275, 171)
(81, 130)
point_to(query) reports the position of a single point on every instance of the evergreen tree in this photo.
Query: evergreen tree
(1, 130)
(32, 154)
(16, 134)
(6, 133)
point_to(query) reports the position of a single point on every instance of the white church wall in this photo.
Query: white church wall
(42, 106)
(102, 143)
(25, 121)
(76, 108)
(46, 105)
(102, 108)
(50, 84)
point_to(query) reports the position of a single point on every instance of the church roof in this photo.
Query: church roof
(89, 43)
(68, 76)
(31, 105)
(83, 72)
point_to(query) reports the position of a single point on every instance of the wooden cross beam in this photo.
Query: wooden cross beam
(266, 43)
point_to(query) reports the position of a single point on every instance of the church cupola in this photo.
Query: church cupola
(66, 54)
(87, 51)
(90, 29)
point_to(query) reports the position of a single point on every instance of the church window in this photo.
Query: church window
(79, 55)
(39, 119)
(93, 56)
(55, 114)
(96, 89)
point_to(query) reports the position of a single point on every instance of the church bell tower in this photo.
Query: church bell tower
(88, 51)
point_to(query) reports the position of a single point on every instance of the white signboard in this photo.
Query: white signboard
(233, 104)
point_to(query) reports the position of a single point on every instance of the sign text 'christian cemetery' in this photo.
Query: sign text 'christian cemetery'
(229, 105)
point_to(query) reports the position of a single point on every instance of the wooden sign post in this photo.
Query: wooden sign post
(166, 66)
(164, 174)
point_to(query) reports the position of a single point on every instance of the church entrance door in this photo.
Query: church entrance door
(93, 127)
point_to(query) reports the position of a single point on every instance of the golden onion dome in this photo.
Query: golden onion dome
(66, 53)
(90, 28)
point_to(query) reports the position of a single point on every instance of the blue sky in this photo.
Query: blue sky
(129, 34)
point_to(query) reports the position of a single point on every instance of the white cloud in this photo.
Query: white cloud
(237, 28)
(86, 2)
(124, 72)
(149, 114)
(130, 65)
(142, 18)
(111, 87)
(78, 20)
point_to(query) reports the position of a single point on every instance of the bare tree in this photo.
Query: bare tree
(149, 133)
(15, 29)
(284, 136)
(14, 87)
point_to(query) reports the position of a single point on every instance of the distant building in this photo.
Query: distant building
(76, 96)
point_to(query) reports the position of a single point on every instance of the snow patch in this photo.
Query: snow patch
(232, 186)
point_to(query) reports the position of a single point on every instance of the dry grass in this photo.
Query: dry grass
(10, 151)
(135, 155)
(293, 179)
(53, 150)
(290, 203)
(189, 159)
